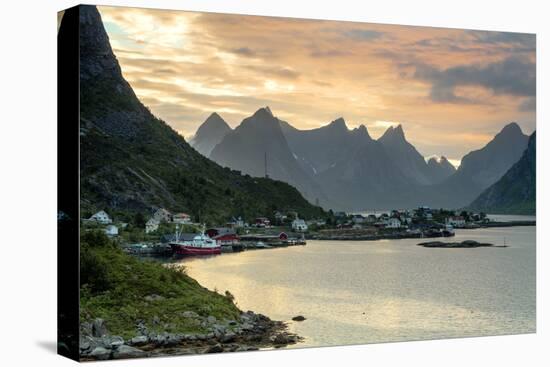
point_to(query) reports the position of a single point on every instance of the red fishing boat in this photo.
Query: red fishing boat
(193, 244)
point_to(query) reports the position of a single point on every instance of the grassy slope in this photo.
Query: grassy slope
(114, 286)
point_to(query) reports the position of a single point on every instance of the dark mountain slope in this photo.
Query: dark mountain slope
(515, 192)
(130, 160)
(258, 139)
(440, 169)
(405, 156)
(480, 169)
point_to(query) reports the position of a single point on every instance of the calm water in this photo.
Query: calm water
(366, 292)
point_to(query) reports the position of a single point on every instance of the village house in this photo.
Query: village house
(101, 217)
(358, 219)
(162, 215)
(393, 223)
(111, 230)
(181, 218)
(279, 217)
(151, 225)
(299, 225)
(262, 222)
(223, 236)
(455, 221)
(236, 223)
(371, 219)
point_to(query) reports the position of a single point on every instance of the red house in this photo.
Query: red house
(224, 236)
(262, 222)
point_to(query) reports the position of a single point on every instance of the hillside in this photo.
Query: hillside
(132, 161)
(515, 192)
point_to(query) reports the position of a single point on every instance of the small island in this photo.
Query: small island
(463, 244)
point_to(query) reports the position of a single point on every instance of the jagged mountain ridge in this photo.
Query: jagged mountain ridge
(132, 161)
(355, 171)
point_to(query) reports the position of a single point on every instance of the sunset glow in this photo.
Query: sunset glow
(452, 90)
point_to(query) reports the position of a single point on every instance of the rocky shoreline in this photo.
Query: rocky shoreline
(249, 332)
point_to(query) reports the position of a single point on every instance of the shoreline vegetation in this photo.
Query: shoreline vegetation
(132, 308)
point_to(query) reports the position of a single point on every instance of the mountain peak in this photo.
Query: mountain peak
(264, 111)
(339, 123)
(210, 133)
(511, 128)
(394, 133)
(215, 120)
(361, 130)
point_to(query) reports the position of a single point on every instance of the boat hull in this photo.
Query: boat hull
(184, 250)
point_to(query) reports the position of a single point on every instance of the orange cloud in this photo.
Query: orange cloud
(185, 65)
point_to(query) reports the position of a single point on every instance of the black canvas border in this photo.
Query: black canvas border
(68, 191)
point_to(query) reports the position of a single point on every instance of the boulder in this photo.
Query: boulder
(98, 328)
(211, 319)
(190, 315)
(228, 337)
(113, 342)
(282, 338)
(125, 351)
(139, 340)
(216, 348)
(247, 327)
(100, 353)
(298, 318)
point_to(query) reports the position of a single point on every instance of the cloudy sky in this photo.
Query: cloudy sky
(451, 89)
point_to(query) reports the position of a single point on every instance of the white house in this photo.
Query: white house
(299, 225)
(181, 218)
(111, 230)
(162, 215)
(456, 221)
(236, 223)
(393, 223)
(101, 217)
(151, 225)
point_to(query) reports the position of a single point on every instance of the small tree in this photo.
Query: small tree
(139, 220)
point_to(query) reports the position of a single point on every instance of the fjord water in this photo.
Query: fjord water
(354, 292)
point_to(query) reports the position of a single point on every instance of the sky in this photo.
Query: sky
(452, 90)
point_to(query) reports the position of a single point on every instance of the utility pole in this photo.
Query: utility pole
(265, 165)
